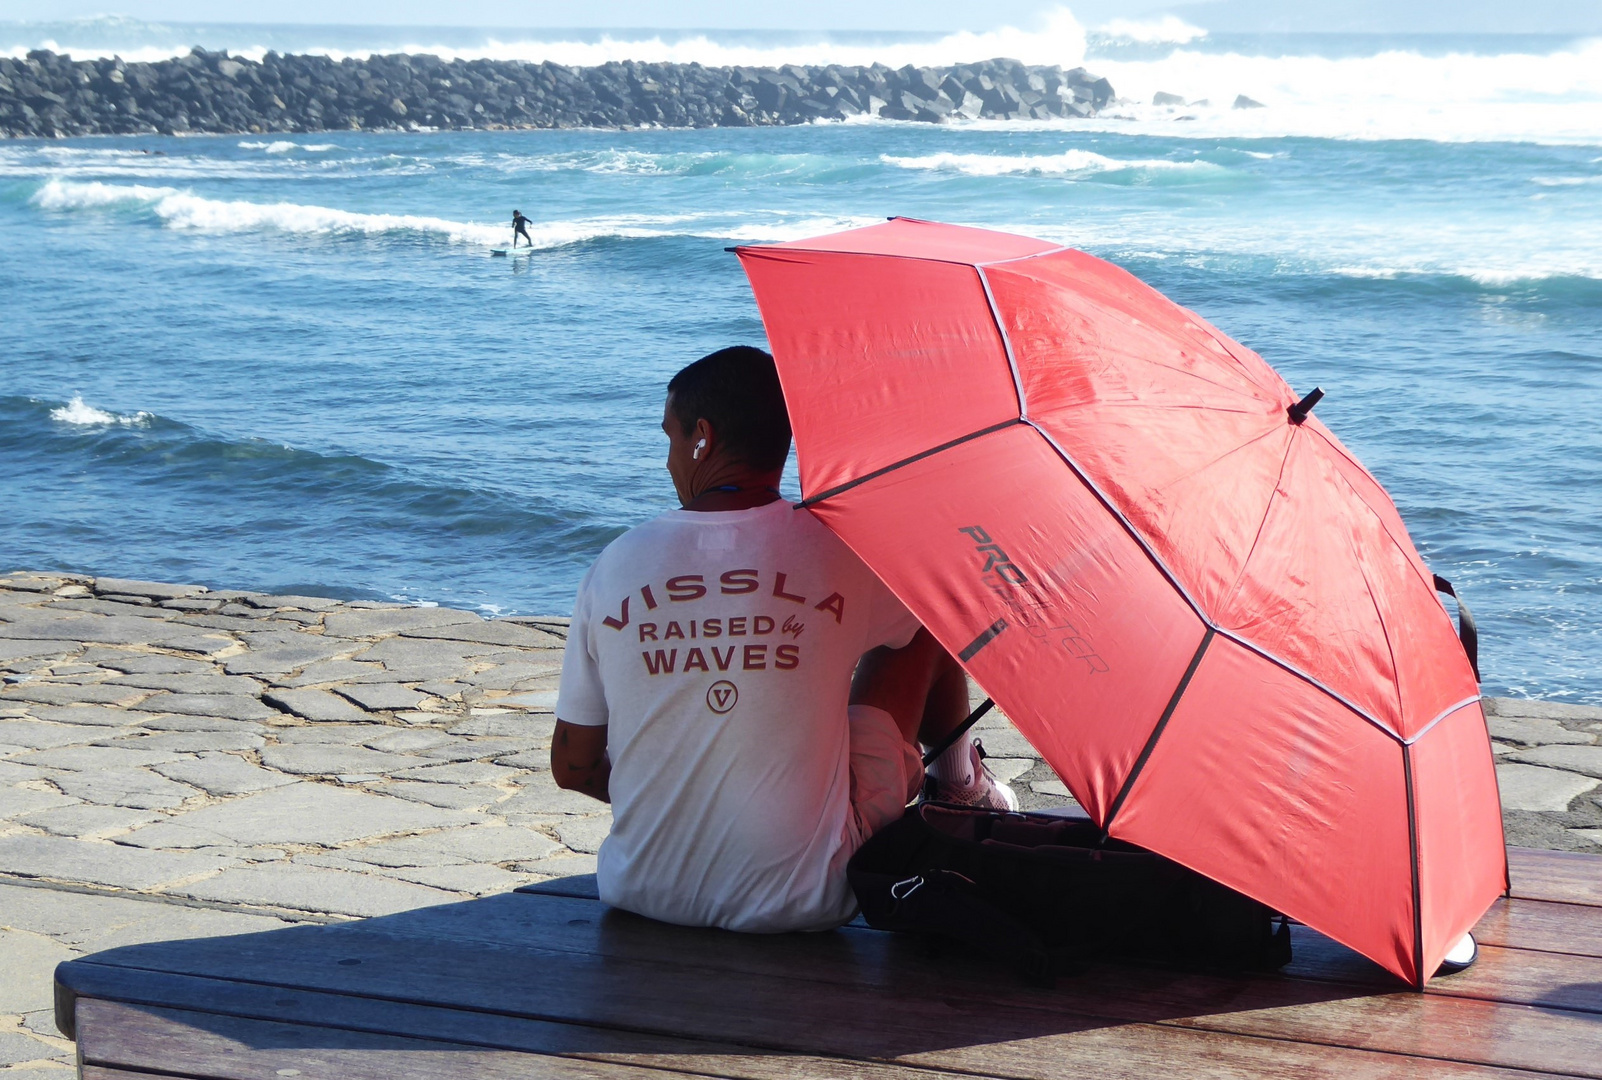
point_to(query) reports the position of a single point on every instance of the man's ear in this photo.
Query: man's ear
(703, 430)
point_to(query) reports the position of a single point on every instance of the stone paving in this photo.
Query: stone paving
(177, 762)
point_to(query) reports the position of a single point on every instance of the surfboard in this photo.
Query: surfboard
(512, 251)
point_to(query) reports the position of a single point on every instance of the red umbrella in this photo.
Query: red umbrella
(1186, 593)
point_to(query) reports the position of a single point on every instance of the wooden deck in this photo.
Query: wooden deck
(552, 983)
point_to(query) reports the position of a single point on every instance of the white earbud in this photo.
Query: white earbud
(696, 455)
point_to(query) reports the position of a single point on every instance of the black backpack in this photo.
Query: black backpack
(1046, 893)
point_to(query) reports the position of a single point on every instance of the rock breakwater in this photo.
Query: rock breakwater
(45, 94)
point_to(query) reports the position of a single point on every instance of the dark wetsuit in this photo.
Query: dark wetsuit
(520, 228)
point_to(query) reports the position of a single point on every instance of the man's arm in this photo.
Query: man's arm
(579, 761)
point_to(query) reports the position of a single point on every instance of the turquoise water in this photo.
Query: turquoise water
(293, 364)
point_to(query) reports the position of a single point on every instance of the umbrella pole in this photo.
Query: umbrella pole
(958, 732)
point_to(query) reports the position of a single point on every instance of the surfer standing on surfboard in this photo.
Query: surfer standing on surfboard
(520, 228)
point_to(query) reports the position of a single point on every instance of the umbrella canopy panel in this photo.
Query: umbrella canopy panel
(1207, 616)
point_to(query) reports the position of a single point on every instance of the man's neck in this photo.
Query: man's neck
(740, 492)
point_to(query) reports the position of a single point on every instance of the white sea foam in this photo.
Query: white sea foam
(81, 414)
(1489, 251)
(1168, 30)
(1068, 163)
(284, 146)
(1554, 96)
(179, 209)
(43, 160)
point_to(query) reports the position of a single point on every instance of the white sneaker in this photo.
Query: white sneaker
(986, 793)
(1460, 956)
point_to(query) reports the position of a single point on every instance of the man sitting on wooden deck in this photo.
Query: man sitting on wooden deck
(707, 690)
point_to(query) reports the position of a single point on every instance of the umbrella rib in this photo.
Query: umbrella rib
(1012, 360)
(1379, 617)
(1448, 711)
(1006, 343)
(1268, 508)
(1156, 733)
(838, 489)
(1020, 258)
(1412, 864)
(1358, 495)
(1129, 526)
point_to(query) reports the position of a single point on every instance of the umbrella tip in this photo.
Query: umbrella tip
(1299, 411)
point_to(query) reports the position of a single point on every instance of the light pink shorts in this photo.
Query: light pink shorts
(886, 772)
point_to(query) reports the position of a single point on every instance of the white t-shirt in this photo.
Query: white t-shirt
(718, 649)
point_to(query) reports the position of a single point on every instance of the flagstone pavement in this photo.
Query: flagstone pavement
(177, 762)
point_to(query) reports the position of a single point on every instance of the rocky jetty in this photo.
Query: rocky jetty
(45, 94)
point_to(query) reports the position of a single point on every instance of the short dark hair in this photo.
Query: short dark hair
(737, 391)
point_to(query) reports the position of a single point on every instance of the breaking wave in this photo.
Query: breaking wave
(81, 414)
(178, 209)
(1168, 30)
(284, 146)
(1068, 163)
(1461, 96)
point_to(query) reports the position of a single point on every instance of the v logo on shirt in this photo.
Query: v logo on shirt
(722, 696)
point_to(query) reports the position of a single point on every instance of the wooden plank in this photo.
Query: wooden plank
(218, 1047)
(867, 958)
(826, 1010)
(1543, 926)
(1562, 876)
(484, 1027)
(1540, 1040)
(201, 1044)
(1509, 975)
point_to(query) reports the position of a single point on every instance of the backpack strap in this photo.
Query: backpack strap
(1466, 631)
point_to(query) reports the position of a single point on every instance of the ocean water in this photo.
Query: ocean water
(293, 364)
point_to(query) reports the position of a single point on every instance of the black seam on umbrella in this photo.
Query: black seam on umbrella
(1286, 665)
(1006, 344)
(875, 474)
(1128, 525)
(1156, 733)
(1412, 860)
